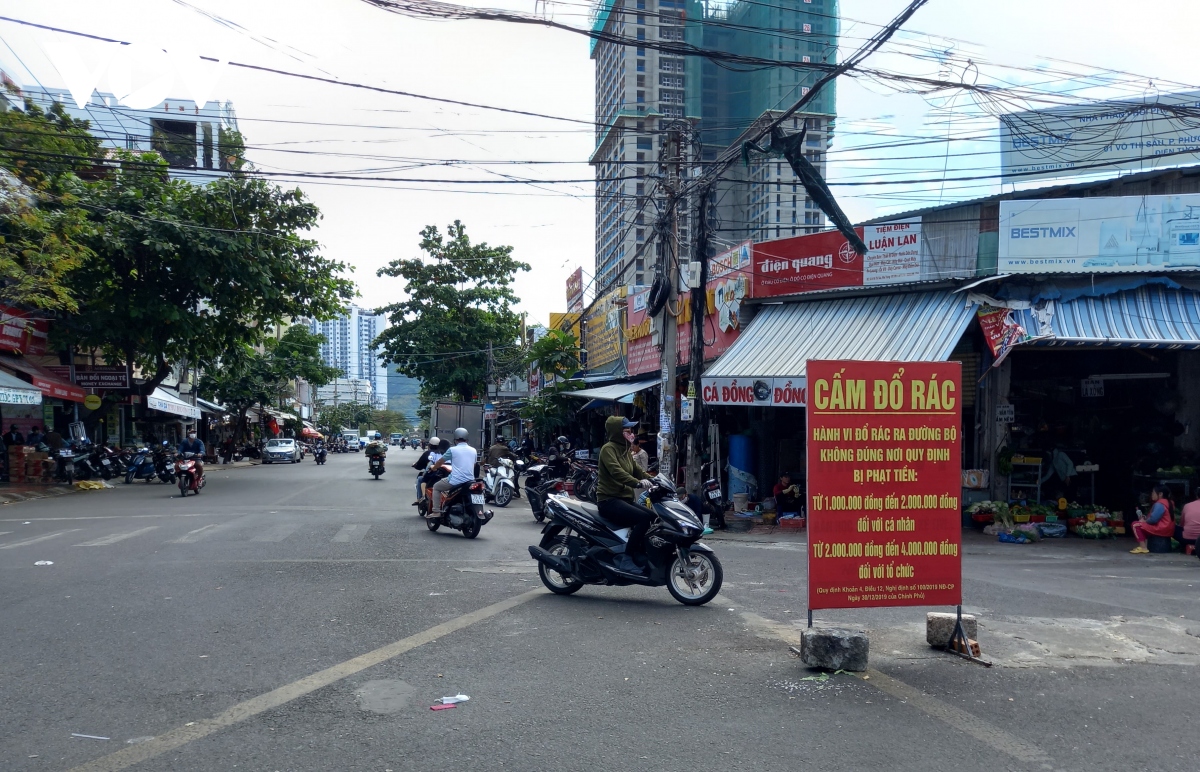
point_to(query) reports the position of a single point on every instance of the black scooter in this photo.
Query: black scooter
(580, 547)
(375, 465)
(319, 455)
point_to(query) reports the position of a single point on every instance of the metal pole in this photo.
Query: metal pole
(697, 445)
(670, 270)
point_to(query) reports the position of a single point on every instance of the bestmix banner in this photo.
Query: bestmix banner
(1119, 234)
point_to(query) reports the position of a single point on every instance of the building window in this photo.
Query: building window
(670, 33)
(641, 96)
(641, 65)
(670, 81)
(641, 80)
(641, 19)
(641, 51)
(640, 234)
(641, 35)
(175, 141)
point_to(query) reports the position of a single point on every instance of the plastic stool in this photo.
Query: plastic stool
(1158, 544)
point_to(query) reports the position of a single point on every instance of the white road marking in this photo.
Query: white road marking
(36, 539)
(4, 532)
(113, 538)
(277, 533)
(352, 533)
(195, 536)
(243, 711)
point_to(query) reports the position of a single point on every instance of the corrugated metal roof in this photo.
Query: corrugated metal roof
(1146, 317)
(613, 392)
(908, 327)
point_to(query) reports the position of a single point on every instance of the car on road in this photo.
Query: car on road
(281, 451)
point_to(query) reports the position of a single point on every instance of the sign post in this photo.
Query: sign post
(884, 478)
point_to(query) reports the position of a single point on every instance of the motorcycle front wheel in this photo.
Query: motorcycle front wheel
(696, 581)
(183, 488)
(504, 496)
(432, 524)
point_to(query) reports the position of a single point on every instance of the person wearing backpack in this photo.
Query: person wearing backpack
(1159, 522)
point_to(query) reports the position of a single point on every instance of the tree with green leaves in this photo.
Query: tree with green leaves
(459, 301)
(42, 228)
(347, 415)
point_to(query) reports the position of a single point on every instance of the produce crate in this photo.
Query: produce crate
(1021, 518)
(793, 523)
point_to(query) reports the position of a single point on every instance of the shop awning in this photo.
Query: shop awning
(210, 407)
(1146, 317)
(614, 392)
(165, 402)
(43, 380)
(769, 357)
(14, 391)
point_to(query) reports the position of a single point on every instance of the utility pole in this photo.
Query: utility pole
(669, 269)
(697, 440)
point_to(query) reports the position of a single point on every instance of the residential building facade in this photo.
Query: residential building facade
(350, 346)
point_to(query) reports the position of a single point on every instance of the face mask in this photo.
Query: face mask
(192, 436)
(628, 436)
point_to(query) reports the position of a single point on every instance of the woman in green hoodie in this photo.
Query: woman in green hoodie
(619, 477)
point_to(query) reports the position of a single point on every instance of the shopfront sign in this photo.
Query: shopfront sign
(1117, 234)
(1006, 414)
(14, 396)
(755, 392)
(1091, 387)
(22, 335)
(1142, 134)
(825, 261)
(884, 479)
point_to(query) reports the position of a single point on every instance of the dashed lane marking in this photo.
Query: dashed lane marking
(196, 730)
(113, 538)
(276, 533)
(195, 536)
(36, 539)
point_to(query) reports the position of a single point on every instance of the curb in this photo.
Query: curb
(17, 498)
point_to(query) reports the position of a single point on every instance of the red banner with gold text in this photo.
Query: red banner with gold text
(884, 478)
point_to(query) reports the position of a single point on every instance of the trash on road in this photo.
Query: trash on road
(43, 562)
(89, 736)
(456, 698)
(91, 485)
(440, 706)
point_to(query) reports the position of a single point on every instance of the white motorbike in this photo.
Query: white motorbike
(500, 483)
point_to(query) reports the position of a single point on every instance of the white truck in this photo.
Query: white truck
(353, 441)
(445, 417)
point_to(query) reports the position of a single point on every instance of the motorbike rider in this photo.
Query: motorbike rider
(619, 477)
(497, 451)
(194, 445)
(461, 458)
(424, 466)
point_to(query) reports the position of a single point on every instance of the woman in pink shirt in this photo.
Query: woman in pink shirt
(1188, 530)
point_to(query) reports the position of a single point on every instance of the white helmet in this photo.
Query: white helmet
(434, 442)
(460, 434)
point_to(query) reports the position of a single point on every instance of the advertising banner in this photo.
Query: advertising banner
(602, 328)
(884, 478)
(824, 261)
(641, 355)
(1101, 136)
(1119, 234)
(575, 292)
(22, 335)
(1001, 331)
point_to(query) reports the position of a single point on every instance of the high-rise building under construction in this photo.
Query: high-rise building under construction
(642, 91)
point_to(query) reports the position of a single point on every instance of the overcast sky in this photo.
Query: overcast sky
(297, 126)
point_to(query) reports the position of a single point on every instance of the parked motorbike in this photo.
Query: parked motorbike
(579, 547)
(543, 478)
(499, 483)
(99, 459)
(188, 476)
(85, 468)
(164, 464)
(64, 465)
(462, 510)
(141, 467)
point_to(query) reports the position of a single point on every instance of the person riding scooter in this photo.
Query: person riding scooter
(619, 477)
(424, 467)
(462, 459)
(194, 445)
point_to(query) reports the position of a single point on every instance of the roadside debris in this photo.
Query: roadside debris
(440, 706)
(455, 699)
(89, 736)
(43, 562)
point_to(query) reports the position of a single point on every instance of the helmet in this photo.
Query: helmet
(563, 441)
(434, 442)
(460, 434)
(378, 436)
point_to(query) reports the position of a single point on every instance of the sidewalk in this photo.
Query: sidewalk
(14, 494)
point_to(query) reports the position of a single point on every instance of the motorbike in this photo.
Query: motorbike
(64, 466)
(85, 468)
(375, 465)
(164, 464)
(499, 483)
(141, 467)
(579, 547)
(413, 444)
(462, 510)
(101, 462)
(319, 454)
(188, 475)
(543, 478)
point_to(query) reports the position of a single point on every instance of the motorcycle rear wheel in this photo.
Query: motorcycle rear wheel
(471, 530)
(554, 581)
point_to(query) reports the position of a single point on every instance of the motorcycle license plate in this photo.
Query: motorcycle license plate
(65, 453)
(477, 498)
(106, 462)
(714, 494)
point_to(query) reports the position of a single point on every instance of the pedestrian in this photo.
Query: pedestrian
(1158, 522)
(35, 437)
(1188, 530)
(14, 437)
(640, 456)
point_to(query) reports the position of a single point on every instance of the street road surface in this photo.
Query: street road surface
(297, 617)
